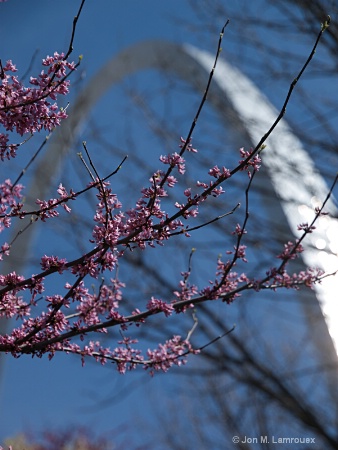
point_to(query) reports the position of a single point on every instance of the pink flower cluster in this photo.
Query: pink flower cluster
(10, 203)
(27, 110)
(126, 357)
(249, 160)
(281, 279)
(291, 250)
(62, 322)
(67, 319)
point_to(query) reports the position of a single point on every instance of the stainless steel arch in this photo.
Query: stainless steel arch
(294, 178)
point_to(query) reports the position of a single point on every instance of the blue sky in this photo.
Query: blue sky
(36, 394)
(104, 27)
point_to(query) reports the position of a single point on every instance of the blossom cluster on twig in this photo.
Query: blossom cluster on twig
(26, 110)
(49, 323)
(81, 312)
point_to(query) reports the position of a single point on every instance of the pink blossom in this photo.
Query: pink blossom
(28, 109)
(174, 160)
(187, 145)
(217, 173)
(291, 251)
(306, 227)
(170, 353)
(156, 305)
(10, 204)
(239, 230)
(251, 161)
(48, 262)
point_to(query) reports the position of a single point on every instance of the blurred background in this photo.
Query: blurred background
(266, 377)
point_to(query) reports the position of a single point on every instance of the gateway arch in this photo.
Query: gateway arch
(296, 185)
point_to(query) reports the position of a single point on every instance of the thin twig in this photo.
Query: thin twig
(218, 338)
(29, 68)
(260, 144)
(76, 18)
(287, 99)
(201, 105)
(193, 328)
(65, 200)
(240, 235)
(188, 230)
(103, 192)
